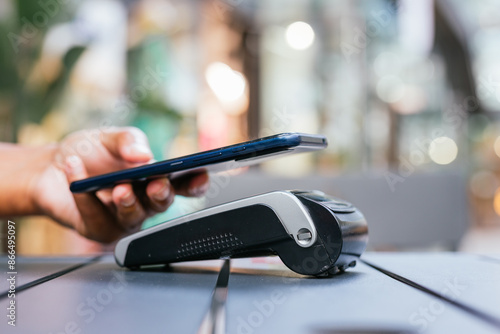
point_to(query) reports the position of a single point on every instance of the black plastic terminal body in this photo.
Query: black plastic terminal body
(342, 237)
(256, 230)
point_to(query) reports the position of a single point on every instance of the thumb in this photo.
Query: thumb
(129, 144)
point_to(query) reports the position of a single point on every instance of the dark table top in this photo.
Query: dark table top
(384, 293)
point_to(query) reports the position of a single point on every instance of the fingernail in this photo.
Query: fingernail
(73, 165)
(162, 194)
(200, 190)
(128, 200)
(137, 148)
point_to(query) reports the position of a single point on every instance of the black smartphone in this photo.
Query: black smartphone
(220, 159)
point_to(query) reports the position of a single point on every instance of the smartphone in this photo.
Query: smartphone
(220, 159)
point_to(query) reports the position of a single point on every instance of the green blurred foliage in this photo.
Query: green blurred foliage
(21, 48)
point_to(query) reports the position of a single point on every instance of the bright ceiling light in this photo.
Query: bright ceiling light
(227, 84)
(299, 35)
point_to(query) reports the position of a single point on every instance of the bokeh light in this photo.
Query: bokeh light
(496, 146)
(299, 35)
(227, 84)
(496, 202)
(443, 150)
(483, 184)
(390, 88)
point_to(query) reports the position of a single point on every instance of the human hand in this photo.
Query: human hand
(107, 214)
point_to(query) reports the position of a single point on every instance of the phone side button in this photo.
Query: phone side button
(177, 163)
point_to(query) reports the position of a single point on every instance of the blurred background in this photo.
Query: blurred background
(407, 92)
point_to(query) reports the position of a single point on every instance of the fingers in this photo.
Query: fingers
(129, 206)
(95, 221)
(160, 194)
(133, 205)
(129, 144)
(108, 215)
(130, 212)
(191, 184)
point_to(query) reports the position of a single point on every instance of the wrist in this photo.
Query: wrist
(45, 165)
(31, 164)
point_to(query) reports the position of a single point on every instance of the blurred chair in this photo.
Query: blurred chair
(423, 211)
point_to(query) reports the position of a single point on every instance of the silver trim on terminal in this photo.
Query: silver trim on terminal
(285, 205)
